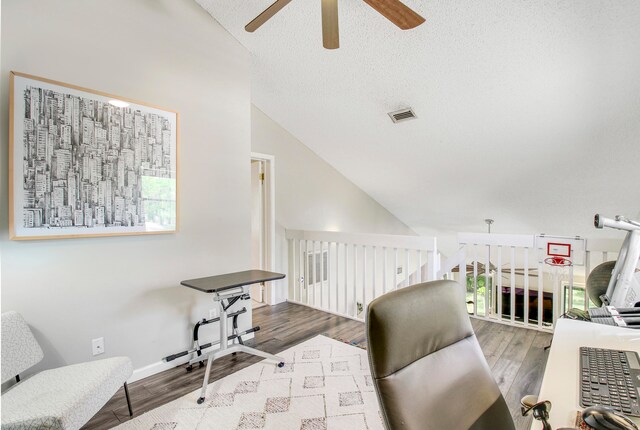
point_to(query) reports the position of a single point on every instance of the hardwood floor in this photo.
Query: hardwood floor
(515, 355)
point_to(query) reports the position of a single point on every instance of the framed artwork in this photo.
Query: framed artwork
(83, 163)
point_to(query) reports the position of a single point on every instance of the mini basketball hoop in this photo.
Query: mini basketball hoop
(559, 254)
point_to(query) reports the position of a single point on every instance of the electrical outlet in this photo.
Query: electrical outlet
(97, 346)
(213, 313)
(399, 270)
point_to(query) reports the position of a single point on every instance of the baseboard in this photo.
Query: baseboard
(161, 366)
(157, 367)
(340, 314)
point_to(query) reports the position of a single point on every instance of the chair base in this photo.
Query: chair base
(230, 350)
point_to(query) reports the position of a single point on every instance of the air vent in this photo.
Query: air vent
(402, 115)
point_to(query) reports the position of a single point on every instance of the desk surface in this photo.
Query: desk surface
(561, 382)
(212, 284)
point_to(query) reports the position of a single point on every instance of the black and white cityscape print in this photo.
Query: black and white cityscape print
(90, 164)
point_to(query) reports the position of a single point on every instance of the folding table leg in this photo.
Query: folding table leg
(206, 380)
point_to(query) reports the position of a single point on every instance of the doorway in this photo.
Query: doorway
(262, 223)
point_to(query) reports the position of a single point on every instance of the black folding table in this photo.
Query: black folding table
(230, 287)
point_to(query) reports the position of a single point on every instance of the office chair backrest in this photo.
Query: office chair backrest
(427, 366)
(20, 350)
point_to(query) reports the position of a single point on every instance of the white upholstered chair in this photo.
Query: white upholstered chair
(62, 398)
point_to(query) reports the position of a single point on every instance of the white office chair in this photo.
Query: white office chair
(62, 398)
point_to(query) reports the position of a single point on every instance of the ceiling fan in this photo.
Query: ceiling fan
(394, 10)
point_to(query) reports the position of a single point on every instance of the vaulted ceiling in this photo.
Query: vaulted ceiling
(528, 111)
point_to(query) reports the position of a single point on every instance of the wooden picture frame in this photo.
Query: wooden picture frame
(84, 163)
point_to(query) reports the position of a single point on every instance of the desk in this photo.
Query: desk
(212, 284)
(561, 377)
(230, 287)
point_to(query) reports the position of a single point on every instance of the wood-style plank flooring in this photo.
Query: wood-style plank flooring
(515, 355)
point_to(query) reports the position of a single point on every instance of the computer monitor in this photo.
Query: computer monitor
(624, 286)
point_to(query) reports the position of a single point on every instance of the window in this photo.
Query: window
(580, 299)
(159, 202)
(481, 283)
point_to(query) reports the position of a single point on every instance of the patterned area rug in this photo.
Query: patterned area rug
(324, 385)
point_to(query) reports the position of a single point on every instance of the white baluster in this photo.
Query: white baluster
(395, 268)
(487, 269)
(364, 278)
(540, 294)
(310, 266)
(314, 267)
(499, 275)
(384, 270)
(329, 276)
(406, 267)
(526, 286)
(512, 259)
(475, 279)
(346, 283)
(355, 280)
(373, 280)
(322, 274)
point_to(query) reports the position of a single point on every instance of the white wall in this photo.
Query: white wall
(164, 52)
(312, 195)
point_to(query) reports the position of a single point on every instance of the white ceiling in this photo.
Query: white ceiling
(529, 111)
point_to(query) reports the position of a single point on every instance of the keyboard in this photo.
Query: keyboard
(610, 378)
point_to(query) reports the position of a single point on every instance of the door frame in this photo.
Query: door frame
(269, 246)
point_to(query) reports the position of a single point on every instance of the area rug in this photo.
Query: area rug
(324, 385)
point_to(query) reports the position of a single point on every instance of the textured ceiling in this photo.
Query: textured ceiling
(529, 110)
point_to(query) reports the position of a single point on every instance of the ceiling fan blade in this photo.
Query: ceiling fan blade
(330, 32)
(266, 15)
(397, 13)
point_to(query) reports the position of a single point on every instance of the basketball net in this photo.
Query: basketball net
(561, 270)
